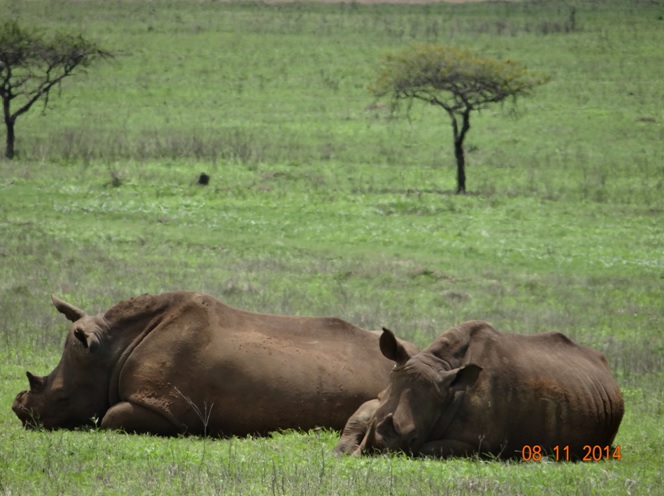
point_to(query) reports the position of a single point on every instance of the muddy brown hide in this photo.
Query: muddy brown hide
(185, 362)
(476, 390)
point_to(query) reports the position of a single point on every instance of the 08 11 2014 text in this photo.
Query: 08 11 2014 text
(595, 453)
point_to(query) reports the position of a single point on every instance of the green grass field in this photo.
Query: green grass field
(321, 202)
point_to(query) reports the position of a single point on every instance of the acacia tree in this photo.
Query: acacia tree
(458, 81)
(32, 65)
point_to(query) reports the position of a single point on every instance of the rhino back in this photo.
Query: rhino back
(536, 389)
(253, 373)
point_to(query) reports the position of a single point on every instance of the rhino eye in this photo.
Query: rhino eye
(61, 397)
(388, 426)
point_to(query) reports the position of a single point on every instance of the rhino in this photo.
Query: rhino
(186, 363)
(479, 391)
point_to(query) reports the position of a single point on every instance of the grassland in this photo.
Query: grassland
(323, 202)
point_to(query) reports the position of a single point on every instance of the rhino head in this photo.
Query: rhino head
(76, 391)
(417, 400)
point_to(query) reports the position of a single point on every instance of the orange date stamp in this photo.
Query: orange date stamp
(594, 453)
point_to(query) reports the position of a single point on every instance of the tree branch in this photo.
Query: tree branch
(30, 66)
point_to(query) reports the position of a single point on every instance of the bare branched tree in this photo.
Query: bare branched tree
(32, 65)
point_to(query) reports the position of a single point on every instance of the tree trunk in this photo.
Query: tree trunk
(9, 148)
(461, 165)
(459, 135)
(9, 123)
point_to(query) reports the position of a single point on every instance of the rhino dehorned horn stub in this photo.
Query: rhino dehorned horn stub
(36, 381)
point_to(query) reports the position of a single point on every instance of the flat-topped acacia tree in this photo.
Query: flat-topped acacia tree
(458, 81)
(32, 65)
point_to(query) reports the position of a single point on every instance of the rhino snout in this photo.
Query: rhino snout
(25, 415)
(19, 401)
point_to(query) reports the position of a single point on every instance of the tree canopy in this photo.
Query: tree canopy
(31, 65)
(459, 81)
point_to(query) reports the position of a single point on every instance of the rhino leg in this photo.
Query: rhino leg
(131, 417)
(356, 428)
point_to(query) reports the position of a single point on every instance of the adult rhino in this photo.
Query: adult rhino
(476, 390)
(184, 362)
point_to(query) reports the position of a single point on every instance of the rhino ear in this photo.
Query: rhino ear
(392, 348)
(464, 377)
(89, 340)
(70, 311)
(36, 382)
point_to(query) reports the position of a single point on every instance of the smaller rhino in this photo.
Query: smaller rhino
(476, 390)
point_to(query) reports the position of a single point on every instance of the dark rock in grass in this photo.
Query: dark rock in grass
(203, 179)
